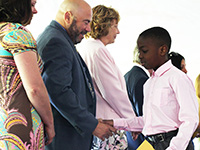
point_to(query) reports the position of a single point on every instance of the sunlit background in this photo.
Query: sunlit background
(179, 17)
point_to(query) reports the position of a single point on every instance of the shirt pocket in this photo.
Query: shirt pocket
(161, 97)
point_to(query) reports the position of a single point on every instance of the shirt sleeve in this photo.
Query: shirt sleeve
(109, 84)
(188, 113)
(129, 124)
(18, 41)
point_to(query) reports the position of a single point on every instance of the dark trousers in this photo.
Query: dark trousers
(164, 144)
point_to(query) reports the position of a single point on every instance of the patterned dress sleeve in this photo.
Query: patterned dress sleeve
(18, 41)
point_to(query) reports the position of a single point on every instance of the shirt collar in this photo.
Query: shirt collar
(98, 40)
(61, 26)
(162, 69)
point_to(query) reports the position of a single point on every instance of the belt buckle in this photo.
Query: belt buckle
(161, 138)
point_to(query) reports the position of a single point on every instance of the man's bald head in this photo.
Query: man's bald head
(75, 16)
(73, 6)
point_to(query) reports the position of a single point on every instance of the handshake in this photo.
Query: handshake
(105, 129)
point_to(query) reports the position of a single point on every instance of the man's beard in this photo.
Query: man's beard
(74, 32)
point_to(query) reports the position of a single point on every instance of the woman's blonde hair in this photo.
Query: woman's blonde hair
(101, 21)
(136, 54)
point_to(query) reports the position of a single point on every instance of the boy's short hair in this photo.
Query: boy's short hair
(158, 33)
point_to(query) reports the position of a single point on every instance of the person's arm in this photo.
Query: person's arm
(187, 100)
(134, 124)
(26, 63)
(107, 79)
(103, 130)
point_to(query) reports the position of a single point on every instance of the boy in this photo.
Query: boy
(170, 110)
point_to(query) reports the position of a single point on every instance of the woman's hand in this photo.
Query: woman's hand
(49, 134)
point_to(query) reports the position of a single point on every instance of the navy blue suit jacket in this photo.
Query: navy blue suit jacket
(135, 80)
(70, 90)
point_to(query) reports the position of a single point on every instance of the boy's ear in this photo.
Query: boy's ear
(163, 50)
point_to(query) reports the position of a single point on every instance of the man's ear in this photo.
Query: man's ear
(163, 50)
(68, 17)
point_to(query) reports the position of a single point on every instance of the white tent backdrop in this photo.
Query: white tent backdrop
(179, 17)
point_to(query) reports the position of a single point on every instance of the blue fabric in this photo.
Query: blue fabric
(135, 80)
(133, 145)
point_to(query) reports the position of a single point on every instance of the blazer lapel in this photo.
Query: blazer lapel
(86, 75)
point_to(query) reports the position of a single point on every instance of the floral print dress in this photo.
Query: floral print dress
(21, 127)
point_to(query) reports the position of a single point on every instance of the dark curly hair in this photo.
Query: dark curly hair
(101, 21)
(16, 11)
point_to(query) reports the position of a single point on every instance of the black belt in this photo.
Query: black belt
(156, 138)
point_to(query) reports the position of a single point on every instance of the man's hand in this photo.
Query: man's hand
(103, 130)
(109, 122)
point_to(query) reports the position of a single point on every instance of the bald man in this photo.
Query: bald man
(68, 80)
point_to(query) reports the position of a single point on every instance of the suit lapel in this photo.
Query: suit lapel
(86, 74)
